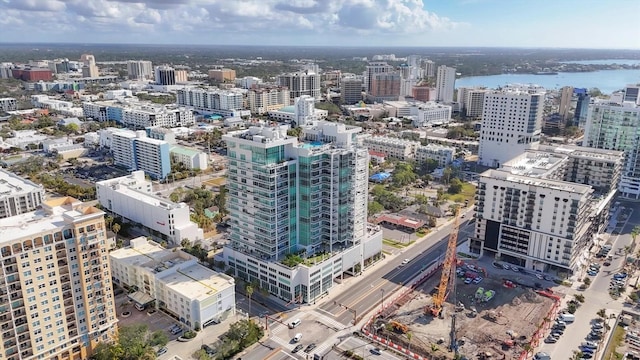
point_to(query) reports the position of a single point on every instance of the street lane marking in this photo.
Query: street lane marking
(272, 353)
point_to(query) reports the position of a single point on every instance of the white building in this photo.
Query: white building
(429, 69)
(471, 100)
(263, 100)
(248, 82)
(49, 145)
(444, 155)
(228, 103)
(445, 83)
(301, 83)
(147, 115)
(322, 209)
(432, 113)
(292, 114)
(304, 110)
(8, 104)
(511, 123)
(18, 195)
(617, 126)
(173, 281)
(23, 138)
(59, 106)
(131, 197)
(545, 208)
(118, 94)
(135, 151)
(140, 70)
(190, 158)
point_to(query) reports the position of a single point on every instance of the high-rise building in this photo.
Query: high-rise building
(135, 151)
(263, 100)
(582, 107)
(182, 76)
(511, 123)
(372, 69)
(5, 70)
(222, 75)
(471, 101)
(566, 97)
(139, 69)
(222, 102)
(429, 69)
(544, 209)
(616, 126)
(445, 83)
(57, 297)
(632, 94)
(385, 86)
(165, 75)
(288, 197)
(304, 110)
(300, 83)
(351, 90)
(18, 195)
(89, 68)
(423, 93)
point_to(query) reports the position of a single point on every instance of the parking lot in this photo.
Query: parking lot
(155, 321)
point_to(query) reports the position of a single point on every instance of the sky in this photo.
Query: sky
(610, 24)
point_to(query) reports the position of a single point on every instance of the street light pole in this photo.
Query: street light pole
(382, 302)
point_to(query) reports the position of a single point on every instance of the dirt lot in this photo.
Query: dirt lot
(516, 313)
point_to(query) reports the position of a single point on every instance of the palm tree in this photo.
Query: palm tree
(249, 290)
(409, 337)
(116, 229)
(109, 221)
(635, 232)
(602, 313)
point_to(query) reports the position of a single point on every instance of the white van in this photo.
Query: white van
(567, 318)
(139, 307)
(294, 323)
(297, 338)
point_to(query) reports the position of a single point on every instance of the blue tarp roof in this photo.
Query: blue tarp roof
(380, 176)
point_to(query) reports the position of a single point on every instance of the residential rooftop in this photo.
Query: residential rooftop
(12, 184)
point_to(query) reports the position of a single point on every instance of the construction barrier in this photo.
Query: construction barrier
(416, 282)
(544, 326)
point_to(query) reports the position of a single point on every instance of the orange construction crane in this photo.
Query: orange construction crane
(447, 270)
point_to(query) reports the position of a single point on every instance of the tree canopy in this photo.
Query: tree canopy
(134, 342)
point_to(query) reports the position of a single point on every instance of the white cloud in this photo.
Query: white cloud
(252, 18)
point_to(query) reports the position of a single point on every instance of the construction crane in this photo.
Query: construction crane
(447, 270)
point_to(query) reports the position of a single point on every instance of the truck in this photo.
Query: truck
(567, 318)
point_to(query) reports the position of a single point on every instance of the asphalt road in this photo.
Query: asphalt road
(596, 296)
(369, 290)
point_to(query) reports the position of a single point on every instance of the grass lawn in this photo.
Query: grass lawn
(467, 193)
(616, 339)
(396, 244)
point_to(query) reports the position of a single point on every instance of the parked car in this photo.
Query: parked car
(376, 351)
(478, 280)
(468, 280)
(587, 355)
(161, 351)
(555, 334)
(589, 344)
(550, 340)
(505, 266)
(607, 263)
(405, 262)
(297, 348)
(592, 273)
(515, 269)
(539, 276)
(310, 347)
(208, 349)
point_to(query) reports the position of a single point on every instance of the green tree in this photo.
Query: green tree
(116, 229)
(134, 342)
(455, 187)
(602, 313)
(108, 220)
(185, 243)
(374, 207)
(295, 132)
(635, 232)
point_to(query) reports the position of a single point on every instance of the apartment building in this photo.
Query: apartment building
(18, 195)
(56, 298)
(445, 83)
(131, 197)
(384, 86)
(511, 123)
(165, 75)
(431, 113)
(222, 75)
(190, 158)
(175, 282)
(60, 106)
(351, 90)
(301, 83)
(544, 209)
(304, 197)
(263, 100)
(135, 151)
(396, 148)
(616, 126)
(471, 101)
(138, 114)
(8, 104)
(373, 68)
(140, 69)
(444, 155)
(222, 102)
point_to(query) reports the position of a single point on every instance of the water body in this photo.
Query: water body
(604, 62)
(607, 81)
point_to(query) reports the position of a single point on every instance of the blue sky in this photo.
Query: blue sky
(508, 23)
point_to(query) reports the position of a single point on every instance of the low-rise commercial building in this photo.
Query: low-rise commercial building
(191, 159)
(173, 281)
(131, 197)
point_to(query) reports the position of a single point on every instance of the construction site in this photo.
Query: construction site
(496, 314)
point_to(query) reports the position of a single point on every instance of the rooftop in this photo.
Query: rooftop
(11, 184)
(184, 151)
(196, 281)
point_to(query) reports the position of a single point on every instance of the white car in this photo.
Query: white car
(405, 262)
(505, 266)
(539, 276)
(478, 280)
(468, 280)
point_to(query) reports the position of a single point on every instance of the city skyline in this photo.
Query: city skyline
(459, 23)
